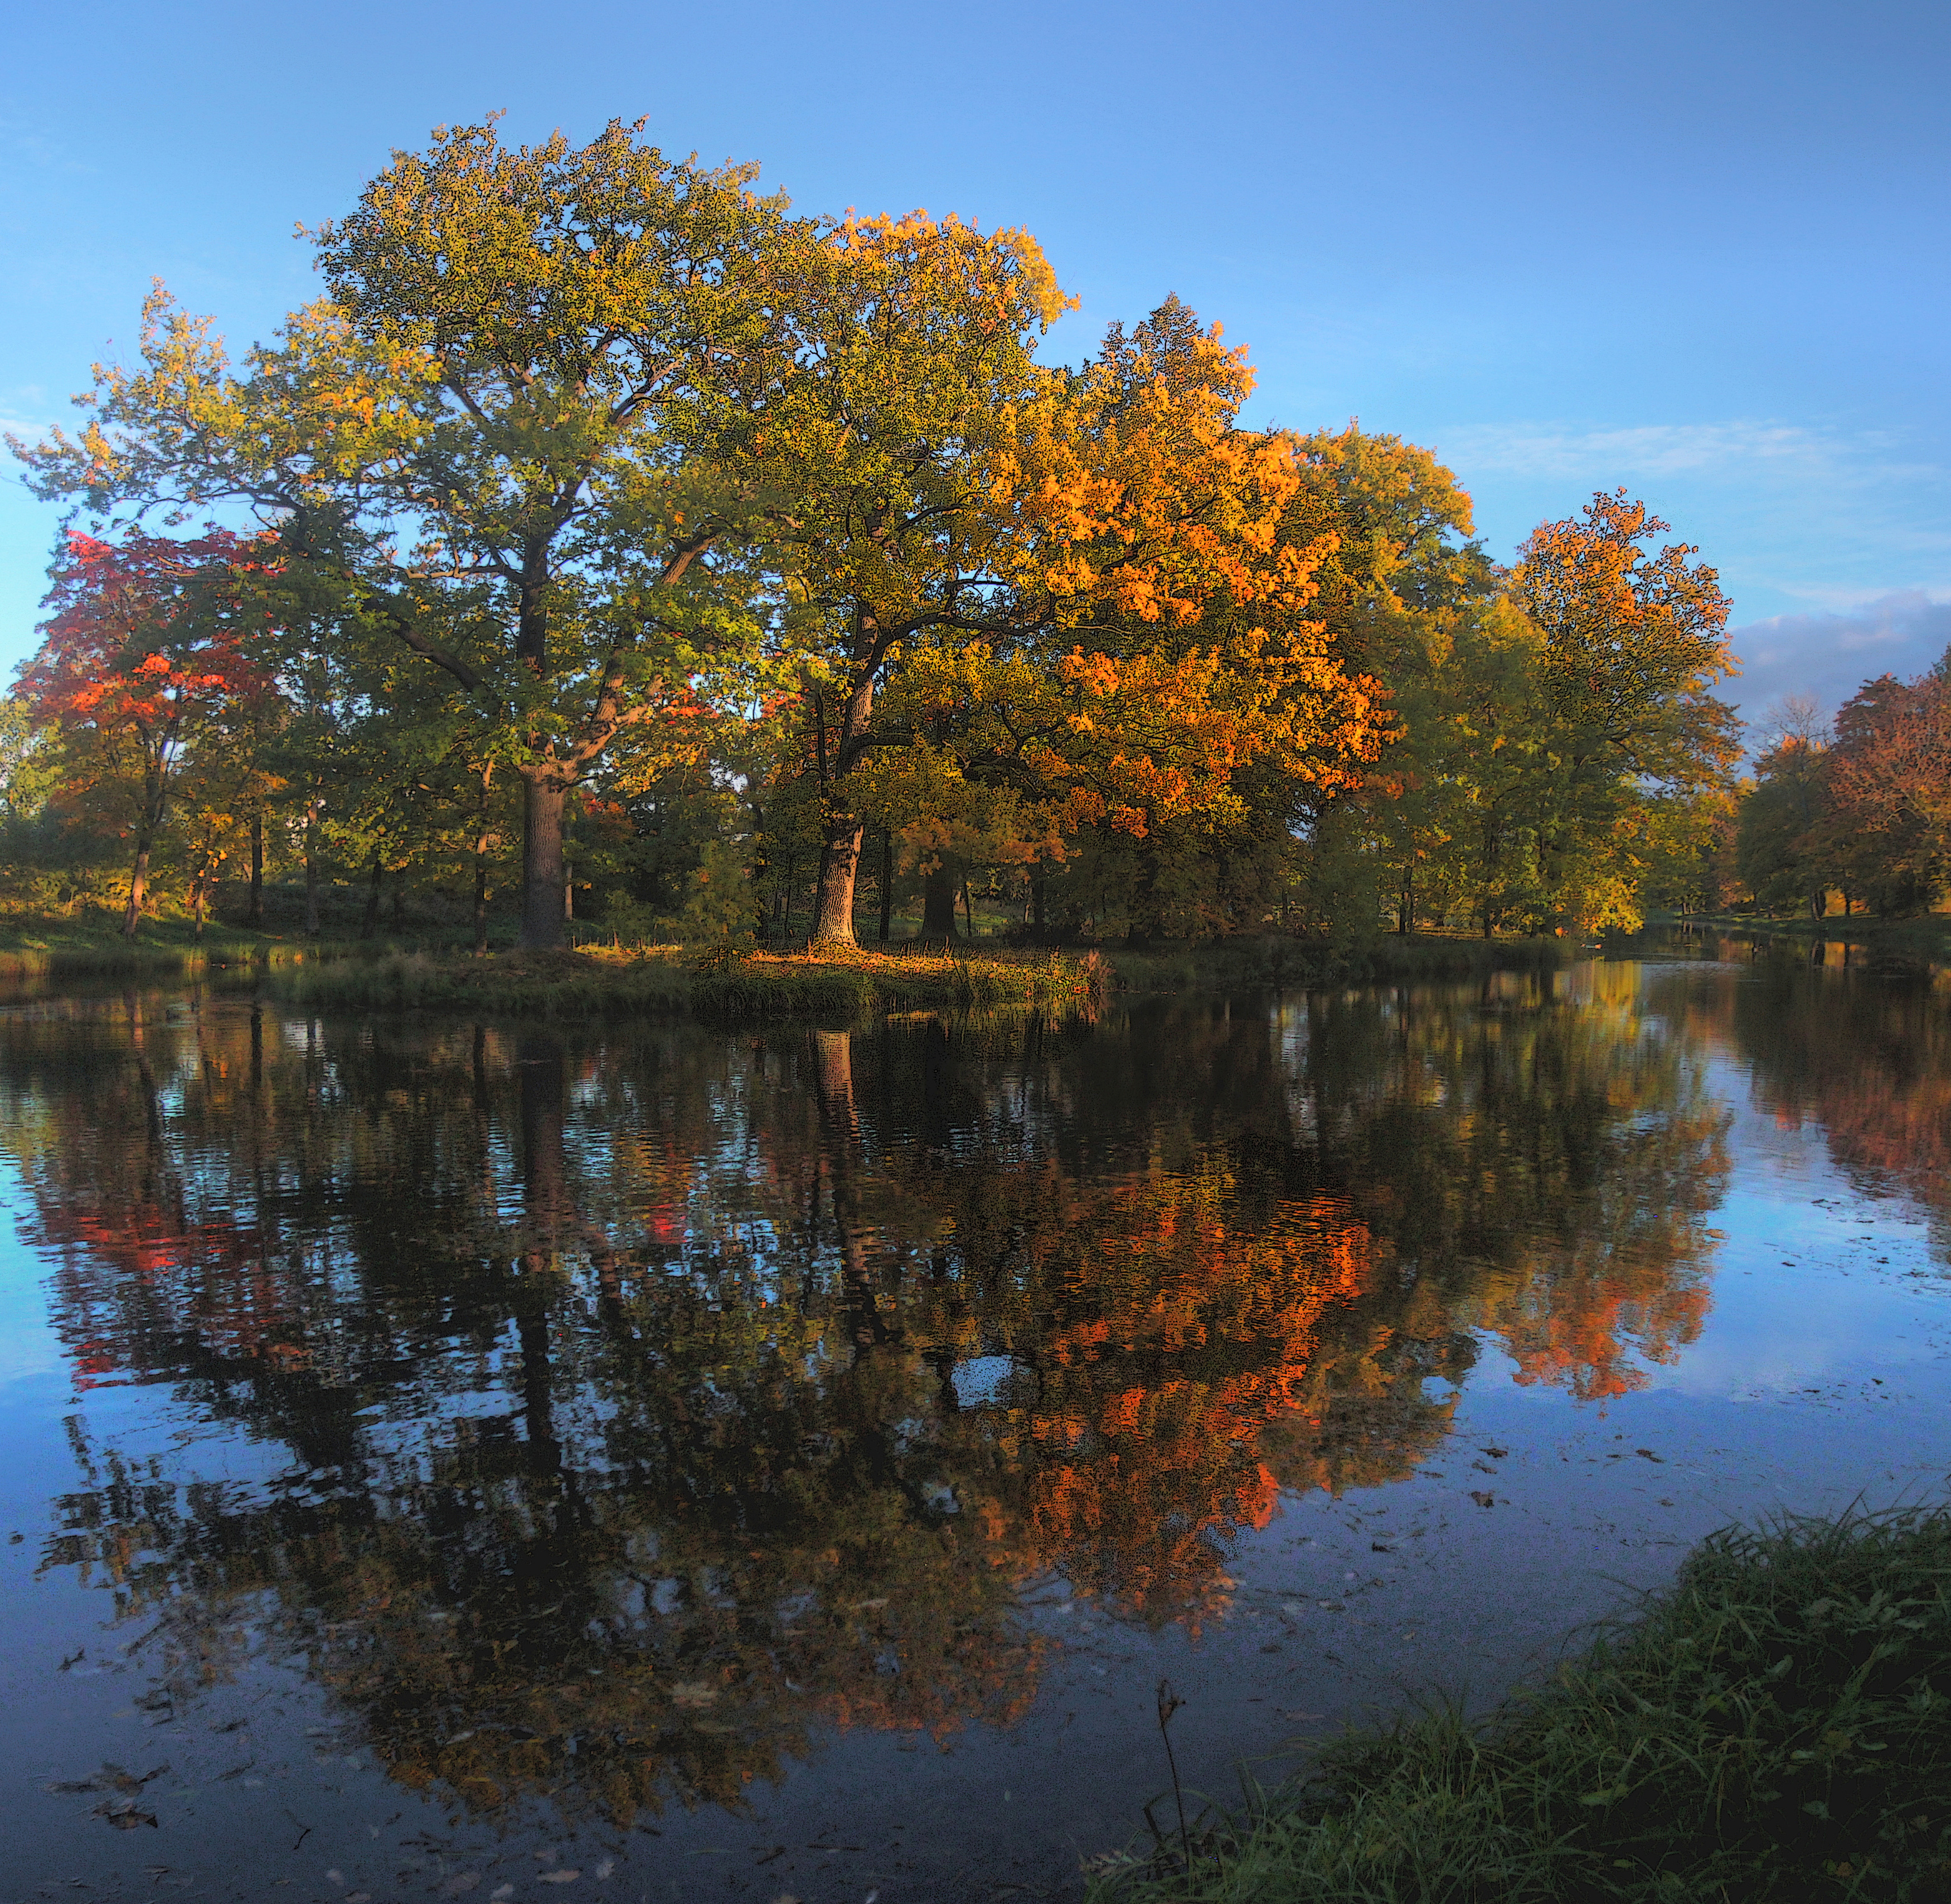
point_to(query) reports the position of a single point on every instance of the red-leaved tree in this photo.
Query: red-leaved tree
(142, 656)
(1890, 785)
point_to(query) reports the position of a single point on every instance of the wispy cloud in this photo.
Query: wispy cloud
(1561, 451)
(1830, 655)
(1828, 518)
(27, 410)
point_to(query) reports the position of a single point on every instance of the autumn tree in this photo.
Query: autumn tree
(1633, 640)
(896, 454)
(1073, 597)
(1405, 595)
(469, 450)
(1889, 789)
(143, 656)
(1783, 844)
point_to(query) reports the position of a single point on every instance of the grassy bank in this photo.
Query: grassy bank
(590, 979)
(1775, 1728)
(35, 944)
(1281, 960)
(722, 982)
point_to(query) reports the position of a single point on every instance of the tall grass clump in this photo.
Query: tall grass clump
(1774, 1728)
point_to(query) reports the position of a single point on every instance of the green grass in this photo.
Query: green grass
(1774, 1728)
(1281, 960)
(724, 983)
(91, 941)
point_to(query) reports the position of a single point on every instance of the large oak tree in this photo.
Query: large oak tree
(475, 447)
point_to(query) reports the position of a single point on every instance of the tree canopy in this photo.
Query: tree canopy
(760, 559)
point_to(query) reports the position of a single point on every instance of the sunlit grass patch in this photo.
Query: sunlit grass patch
(1774, 1728)
(835, 980)
(726, 981)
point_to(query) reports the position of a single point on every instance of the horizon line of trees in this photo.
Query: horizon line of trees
(611, 540)
(1857, 806)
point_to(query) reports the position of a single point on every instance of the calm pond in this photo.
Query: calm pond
(658, 1461)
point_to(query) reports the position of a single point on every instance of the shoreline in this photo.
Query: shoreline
(1926, 939)
(1769, 1726)
(736, 983)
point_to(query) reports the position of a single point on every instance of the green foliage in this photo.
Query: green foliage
(729, 545)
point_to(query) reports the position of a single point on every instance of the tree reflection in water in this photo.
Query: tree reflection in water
(1864, 1056)
(630, 1407)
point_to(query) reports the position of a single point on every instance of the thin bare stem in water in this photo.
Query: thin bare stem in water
(1169, 1702)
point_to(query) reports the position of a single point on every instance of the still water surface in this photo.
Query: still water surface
(658, 1462)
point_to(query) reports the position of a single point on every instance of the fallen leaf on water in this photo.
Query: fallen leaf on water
(461, 1880)
(695, 1692)
(568, 1876)
(125, 1817)
(1482, 1499)
(1649, 1453)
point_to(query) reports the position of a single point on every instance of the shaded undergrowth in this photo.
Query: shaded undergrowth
(1281, 960)
(1773, 1728)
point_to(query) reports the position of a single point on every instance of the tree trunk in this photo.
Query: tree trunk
(1142, 914)
(138, 885)
(1037, 898)
(841, 829)
(839, 868)
(938, 904)
(968, 916)
(311, 868)
(544, 798)
(481, 896)
(254, 918)
(886, 883)
(762, 865)
(369, 926)
(197, 889)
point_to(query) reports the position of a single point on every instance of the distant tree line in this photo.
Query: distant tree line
(1856, 811)
(610, 542)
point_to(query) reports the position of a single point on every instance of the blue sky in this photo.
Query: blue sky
(1699, 250)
